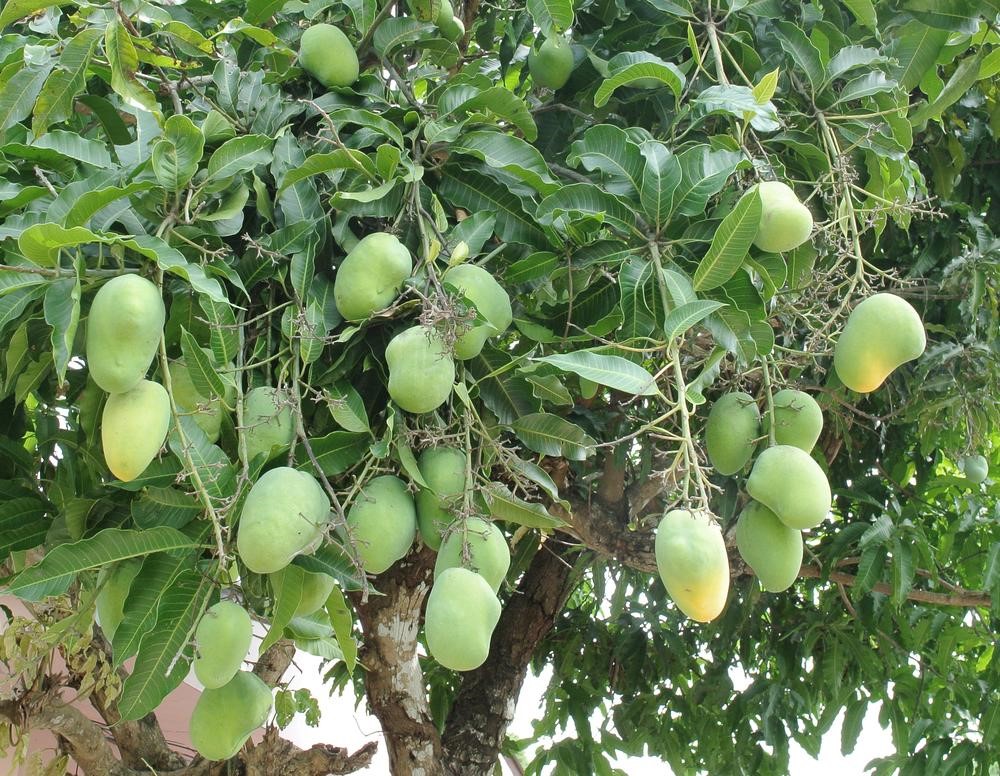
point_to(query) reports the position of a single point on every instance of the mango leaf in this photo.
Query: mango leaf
(336, 452)
(24, 522)
(865, 86)
(62, 313)
(965, 75)
(172, 260)
(339, 613)
(15, 10)
(124, 61)
(915, 48)
(960, 16)
(55, 101)
(660, 178)
(42, 243)
(730, 245)
(399, 31)
(497, 100)
(204, 378)
(473, 191)
(239, 155)
(216, 470)
(177, 153)
(165, 506)
(318, 164)
(508, 153)
(864, 12)
(638, 66)
(18, 94)
(613, 371)
(552, 17)
(53, 574)
(611, 151)
(287, 586)
(503, 505)
(348, 408)
(802, 50)
(259, 11)
(704, 173)
(682, 318)
(164, 656)
(332, 560)
(90, 203)
(552, 435)
(585, 200)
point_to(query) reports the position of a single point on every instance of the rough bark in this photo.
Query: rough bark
(484, 706)
(394, 681)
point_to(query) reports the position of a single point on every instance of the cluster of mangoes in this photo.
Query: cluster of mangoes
(124, 329)
(473, 557)
(421, 365)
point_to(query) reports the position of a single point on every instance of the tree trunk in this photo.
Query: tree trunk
(484, 706)
(394, 681)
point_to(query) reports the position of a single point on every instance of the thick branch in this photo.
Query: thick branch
(966, 598)
(271, 666)
(394, 681)
(275, 755)
(484, 706)
(606, 531)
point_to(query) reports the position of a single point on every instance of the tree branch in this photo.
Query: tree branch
(275, 755)
(960, 597)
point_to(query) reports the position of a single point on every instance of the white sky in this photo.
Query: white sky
(342, 725)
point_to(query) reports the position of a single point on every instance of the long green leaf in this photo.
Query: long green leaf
(62, 313)
(613, 371)
(730, 245)
(238, 155)
(553, 435)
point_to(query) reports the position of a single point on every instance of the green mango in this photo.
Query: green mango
(327, 55)
(371, 276)
(769, 547)
(785, 223)
(798, 419)
(552, 64)
(123, 332)
(316, 589)
(976, 468)
(489, 555)
(462, 611)
(692, 561)
(421, 371)
(452, 29)
(731, 432)
(881, 334)
(222, 640)
(791, 484)
(383, 522)
(490, 300)
(223, 718)
(284, 515)
(443, 468)
(113, 585)
(268, 422)
(133, 427)
(206, 412)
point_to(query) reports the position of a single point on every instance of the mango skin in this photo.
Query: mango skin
(452, 29)
(785, 223)
(443, 468)
(123, 332)
(488, 551)
(692, 561)
(552, 65)
(316, 589)
(114, 583)
(490, 300)
(881, 334)
(791, 484)
(383, 522)
(224, 718)
(222, 639)
(284, 515)
(133, 427)
(462, 612)
(732, 431)
(207, 413)
(268, 422)
(421, 371)
(769, 547)
(799, 420)
(371, 276)
(327, 55)
(976, 468)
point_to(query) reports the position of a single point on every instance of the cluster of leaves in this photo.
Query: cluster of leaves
(183, 142)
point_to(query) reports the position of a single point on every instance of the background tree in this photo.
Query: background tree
(186, 144)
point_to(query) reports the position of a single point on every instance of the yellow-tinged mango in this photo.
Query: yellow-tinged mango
(882, 333)
(421, 371)
(222, 641)
(285, 514)
(693, 564)
(488, 553)
(224, 718)
(769, 547)
(123, 332)
(443, 468)
(383, 522)
(799, 420)
(133, 427)
(785, 223)
(791, 484)
(731, 432)
(462, 612)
